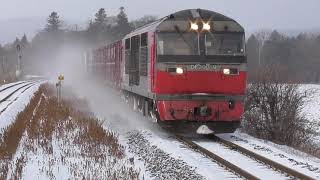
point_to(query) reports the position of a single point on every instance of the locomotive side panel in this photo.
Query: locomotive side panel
(104, 64)
(113, 62)
(137, 66)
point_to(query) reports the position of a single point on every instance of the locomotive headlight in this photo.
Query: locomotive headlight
(194, 26)
(226, 71)
(206, 26)
(230, 71)
(179, 70)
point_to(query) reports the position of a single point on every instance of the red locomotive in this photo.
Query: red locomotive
(187, 70)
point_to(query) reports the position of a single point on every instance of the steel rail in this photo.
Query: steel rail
(217, 158)
(27, 87)
(1, 90)
(12, 93)
(260, 158)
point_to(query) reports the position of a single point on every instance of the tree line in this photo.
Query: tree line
(42, 49)
(296, 57)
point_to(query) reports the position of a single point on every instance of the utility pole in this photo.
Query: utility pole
(259, 53)
(58, 86)
(2, 65)
(3, 73)
(18, 68)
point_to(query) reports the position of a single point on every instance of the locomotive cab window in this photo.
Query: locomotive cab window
(174, 43)
(224, 43)
(144, 55)
(127, 54)
(127, 43)
(144, 39)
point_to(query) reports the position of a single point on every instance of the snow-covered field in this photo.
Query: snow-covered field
(312, 105)
(155, 153)
(51, 140)
(311, 109)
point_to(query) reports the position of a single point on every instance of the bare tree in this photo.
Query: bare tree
(262, 36)
(274, 110)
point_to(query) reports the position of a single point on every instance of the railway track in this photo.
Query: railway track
(13, 92)
(19, 88)
(272, 165)
(13, 85)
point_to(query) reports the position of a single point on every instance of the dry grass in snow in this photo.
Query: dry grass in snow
(49, 141)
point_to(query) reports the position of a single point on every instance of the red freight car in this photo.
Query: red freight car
(104, 63)
(187, 70)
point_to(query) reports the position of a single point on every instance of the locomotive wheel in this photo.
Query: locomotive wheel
(141, 104)
(135, 103)
(154, 114)
(131, 101)
(145, 108)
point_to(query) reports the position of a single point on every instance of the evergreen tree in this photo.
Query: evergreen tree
(99, 26)
(24, 40)
(252, 50)
(1, 51)
(123, 26)
(276, 49)
(101, 17)
(276, 36)
(98, 30)
(53, 22)
(16, 42)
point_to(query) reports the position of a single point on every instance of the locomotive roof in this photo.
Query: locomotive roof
(187, 14)
(199, 13)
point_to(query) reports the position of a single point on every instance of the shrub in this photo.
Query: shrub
(273, 110)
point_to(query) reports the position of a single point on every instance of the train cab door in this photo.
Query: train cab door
(134, 77)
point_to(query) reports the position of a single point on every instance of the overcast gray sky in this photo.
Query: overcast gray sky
(252, 14)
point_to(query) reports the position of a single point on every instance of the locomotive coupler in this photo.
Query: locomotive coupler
(202, 111)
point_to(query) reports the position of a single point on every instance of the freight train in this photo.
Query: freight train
(186, 70)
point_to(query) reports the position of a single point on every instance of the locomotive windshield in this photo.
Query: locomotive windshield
(173, 43)
(224, 44)
(190, 43)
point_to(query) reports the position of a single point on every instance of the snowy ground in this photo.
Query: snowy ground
(167, 158)
(284, 155)
(155, 153)
(144, 134)
(14, 104)
(311, 109)
(312, 106)
(260, 170)
(48, 140)
(10, 84)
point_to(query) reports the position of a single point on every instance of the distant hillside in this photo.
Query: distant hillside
(292, 32)
(12, 28)
(288, 32)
